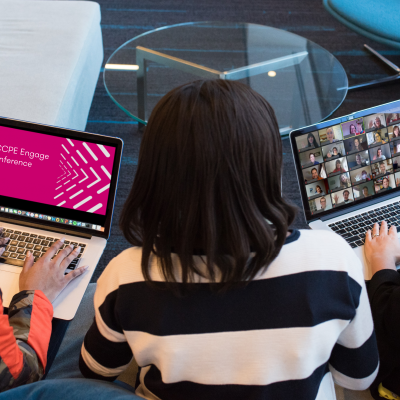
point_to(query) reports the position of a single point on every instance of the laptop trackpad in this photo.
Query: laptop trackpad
(9, 285)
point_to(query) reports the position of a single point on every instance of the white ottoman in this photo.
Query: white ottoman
(50, 58)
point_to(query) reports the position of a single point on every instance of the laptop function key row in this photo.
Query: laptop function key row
(21, 242)
(353, 229)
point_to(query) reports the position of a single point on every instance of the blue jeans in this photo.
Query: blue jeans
(67, 389)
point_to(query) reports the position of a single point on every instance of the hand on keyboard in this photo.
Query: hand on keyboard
(382, 248)
(48, 273)
(3, 241)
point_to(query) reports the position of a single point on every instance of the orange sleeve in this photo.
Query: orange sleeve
(24, 338)
(10, 354)
(40, 331)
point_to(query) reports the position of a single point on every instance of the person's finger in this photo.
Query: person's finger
(368, 236)
(384, 229)
(4, 241)
(375, 229)
(71, 256)
(54, 248)
(75, 273)
(63, 254)
(393, 231)
(29, 261)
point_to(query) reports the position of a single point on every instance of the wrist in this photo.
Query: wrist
(381, 261)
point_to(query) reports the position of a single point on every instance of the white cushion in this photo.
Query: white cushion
(50, 58)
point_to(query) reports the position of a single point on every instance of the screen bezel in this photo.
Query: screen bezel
(115, 142)
(385, 108)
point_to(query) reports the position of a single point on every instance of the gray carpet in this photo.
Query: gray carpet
(125, 19)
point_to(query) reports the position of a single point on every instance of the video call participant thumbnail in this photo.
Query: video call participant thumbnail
(395, 147)
(379, 153)
(382, 168)
(363, 190)
(313, 174)
(352, 128)
(342, 197)
(358, 160)
(317, 189)
(360, 175)
(339, 182)
(308, 141)
(311, 157)
(392, 118)
(356, 144)
(394, 132)
(377, 137)
(337, 166)
(374, 121)
(396, 163)
(384, 184)
(397, 179)
(330, 135)
(320, 204)
(332, 151)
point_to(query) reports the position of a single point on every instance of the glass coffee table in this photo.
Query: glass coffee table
(303, 82)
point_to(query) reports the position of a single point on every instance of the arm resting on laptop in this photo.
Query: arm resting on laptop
(24, 339)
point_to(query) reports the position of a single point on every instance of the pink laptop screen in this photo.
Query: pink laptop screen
(51, 170)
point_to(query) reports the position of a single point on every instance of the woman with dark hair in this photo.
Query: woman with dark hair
(379, 155)
(356, 144)
(338, 167)
(311, 142)
(396, 131)
(318, 189)
(333, 153)
(378, 138)
(336, 152)
(218, 298)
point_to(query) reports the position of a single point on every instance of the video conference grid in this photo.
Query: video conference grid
(350, 161)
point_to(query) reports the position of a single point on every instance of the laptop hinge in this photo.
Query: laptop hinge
(47, 228)
(359, 206)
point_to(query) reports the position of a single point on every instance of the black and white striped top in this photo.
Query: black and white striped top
(298, 327)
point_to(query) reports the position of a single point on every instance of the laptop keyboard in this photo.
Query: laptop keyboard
(20, 242)
(353, 229)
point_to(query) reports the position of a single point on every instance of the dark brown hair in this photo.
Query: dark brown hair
(209, 178)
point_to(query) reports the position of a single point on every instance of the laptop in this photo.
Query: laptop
(55, 183)
(348, 170)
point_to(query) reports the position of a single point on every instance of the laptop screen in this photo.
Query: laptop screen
(345, 163)
(53, 178)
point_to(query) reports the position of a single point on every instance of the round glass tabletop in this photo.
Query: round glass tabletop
(303, 82)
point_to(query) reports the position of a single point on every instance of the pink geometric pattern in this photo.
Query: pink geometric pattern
(56, 171)
(84, 176)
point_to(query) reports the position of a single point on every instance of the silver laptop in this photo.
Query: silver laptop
(55, 183)
(348, 171)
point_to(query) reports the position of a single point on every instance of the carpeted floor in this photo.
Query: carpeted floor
(125, 19)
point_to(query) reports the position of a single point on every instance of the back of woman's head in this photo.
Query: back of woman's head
(208, 179)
